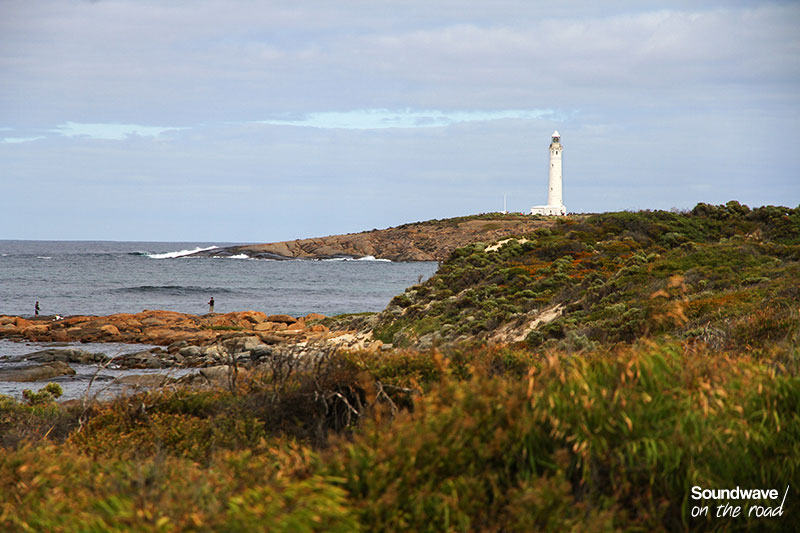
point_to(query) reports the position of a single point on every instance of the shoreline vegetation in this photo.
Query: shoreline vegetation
(587, 373)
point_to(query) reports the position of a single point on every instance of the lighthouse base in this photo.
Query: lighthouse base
(549, 210)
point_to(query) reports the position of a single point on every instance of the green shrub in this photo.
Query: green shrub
(47, 394)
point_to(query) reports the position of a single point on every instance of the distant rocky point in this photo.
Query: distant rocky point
(433, 240)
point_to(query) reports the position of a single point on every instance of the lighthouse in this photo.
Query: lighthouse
(555, 202)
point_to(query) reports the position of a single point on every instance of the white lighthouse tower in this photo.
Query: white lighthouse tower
(555, 202)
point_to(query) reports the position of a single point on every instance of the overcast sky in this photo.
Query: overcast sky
(246, 121)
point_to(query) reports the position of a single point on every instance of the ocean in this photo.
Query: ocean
(101, 278)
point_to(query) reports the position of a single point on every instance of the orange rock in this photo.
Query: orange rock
(22, 323)
(72, 320)
(256, 317)
(160, 335)
(35, 330)
(125, 321)
(270, 339)
(228, 320)
(315, 316)
(286, 319)
(108, 329)
(163, 315)
(159, 327)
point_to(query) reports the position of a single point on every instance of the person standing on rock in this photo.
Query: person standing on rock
(36, 308)
(211, 305)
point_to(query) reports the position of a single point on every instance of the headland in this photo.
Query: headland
(432, 240)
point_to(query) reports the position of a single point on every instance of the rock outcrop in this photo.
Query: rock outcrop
(64, 355)
(38, 372)
(162, 328)
(433, 240)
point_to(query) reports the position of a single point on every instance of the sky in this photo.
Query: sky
(259, 121)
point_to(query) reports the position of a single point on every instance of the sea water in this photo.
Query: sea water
(101, 278)
(89, 381)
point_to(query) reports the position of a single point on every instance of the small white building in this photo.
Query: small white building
(555, 204)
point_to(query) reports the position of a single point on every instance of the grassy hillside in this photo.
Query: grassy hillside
(726, 275)
(673, 362)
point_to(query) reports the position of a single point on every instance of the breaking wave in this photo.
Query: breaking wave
(180, 253)
(365, 258)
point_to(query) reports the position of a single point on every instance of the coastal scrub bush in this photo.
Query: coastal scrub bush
(620, 436)
(402, 368)
(190, 424)
(489, 439)
(50, 488)
(306, 400)
(37, 421)
(47, 394)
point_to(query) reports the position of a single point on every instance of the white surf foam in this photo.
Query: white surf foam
(365, 258)
(181, 253)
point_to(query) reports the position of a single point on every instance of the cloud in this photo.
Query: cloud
(408, 118)
(110, 131)
(145, 63)
(15, 140)
(357, 119)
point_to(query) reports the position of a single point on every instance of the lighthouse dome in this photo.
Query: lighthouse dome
(555, 134)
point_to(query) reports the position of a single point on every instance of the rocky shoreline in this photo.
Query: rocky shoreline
(163, 328)
(212, 343)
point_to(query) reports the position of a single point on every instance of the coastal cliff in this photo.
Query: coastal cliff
(432, 240)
